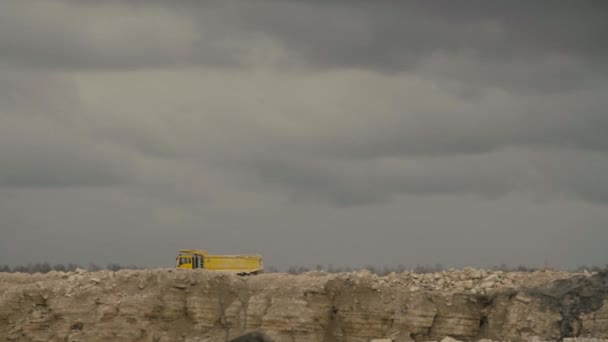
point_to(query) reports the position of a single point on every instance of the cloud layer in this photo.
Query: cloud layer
(304, 124)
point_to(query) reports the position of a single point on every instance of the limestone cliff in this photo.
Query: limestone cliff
(181, 305)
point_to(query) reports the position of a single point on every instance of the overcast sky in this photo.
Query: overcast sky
(349, 133)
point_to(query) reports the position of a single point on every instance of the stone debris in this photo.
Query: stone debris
(165, 305)
(449, 339)
(80, 271)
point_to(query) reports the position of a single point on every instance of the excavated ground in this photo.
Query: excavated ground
(162, 305)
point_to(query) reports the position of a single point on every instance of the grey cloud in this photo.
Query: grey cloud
(334, 147)
(109, 36)
(44, 142)
(357, 183)
(58, 172)
(487, 124)
(313, 182)
(576, 174)
(397, 35)
(441, 131)
(544, 175)
(520, 44)
(456, 231)
(28, 95)
(56, 157)
(553, 74)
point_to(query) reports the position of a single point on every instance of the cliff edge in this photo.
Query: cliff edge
(162, 305)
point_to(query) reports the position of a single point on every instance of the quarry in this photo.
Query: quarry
(165, 305)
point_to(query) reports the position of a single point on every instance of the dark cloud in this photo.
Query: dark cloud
(544, 174)
(356, 183)
(395, 35)
(546, 45)
(489, 123)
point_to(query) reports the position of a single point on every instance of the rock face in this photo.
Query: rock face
(184, 305)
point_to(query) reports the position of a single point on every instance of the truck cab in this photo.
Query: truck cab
(191, 259)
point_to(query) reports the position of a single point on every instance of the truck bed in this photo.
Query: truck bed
(234, 263)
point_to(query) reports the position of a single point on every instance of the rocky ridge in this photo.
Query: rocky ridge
(164, 305)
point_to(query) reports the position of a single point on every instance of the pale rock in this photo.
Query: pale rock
(476, 275)
(491, 277)
(523, 298)
(507, 283)
(449, 339)
(486, 285)
(468, 270)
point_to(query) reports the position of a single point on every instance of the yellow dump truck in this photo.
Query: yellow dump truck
(240, 264)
